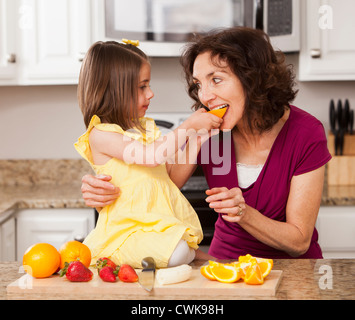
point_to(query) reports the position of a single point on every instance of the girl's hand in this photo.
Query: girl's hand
(201, 119)
(97, 191)
(229, 202)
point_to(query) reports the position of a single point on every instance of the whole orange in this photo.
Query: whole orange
(74, 250)
(41, 260)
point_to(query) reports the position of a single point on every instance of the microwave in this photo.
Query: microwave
(164, 26)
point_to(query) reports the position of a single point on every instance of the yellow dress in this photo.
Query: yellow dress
(150, 215)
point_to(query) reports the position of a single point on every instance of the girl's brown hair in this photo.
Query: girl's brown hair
(267, 82)
(108, 83)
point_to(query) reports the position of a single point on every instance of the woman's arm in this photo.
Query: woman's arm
(292, 236)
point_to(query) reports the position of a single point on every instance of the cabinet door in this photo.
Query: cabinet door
(336, 227)
(8, 35)
(54, 40)
(8, 240)
(328, 48)
(54, 226)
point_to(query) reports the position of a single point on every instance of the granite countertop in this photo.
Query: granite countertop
(302, 279)
(27, 184)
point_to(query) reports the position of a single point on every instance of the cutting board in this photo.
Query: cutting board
(197, 285)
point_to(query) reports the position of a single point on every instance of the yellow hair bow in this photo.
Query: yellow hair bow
(132, 42)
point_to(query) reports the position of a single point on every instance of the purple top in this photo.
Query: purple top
(300, 147)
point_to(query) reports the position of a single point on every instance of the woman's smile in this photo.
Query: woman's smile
(218, 87)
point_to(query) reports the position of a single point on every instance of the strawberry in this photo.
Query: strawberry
(102, 262)
(75, 271)
(127, 273)
(108, 274)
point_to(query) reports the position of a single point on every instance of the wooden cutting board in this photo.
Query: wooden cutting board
(197, 285)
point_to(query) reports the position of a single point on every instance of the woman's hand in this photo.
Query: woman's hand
(98, 191)
(229, 202)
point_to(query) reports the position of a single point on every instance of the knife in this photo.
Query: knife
(147, 276)
(346, 115)
(351, 122)
(332, 116)
(340, 131)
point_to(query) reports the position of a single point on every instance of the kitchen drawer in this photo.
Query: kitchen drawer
(54, 226)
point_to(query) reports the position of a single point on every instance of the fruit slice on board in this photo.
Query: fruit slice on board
(226, 274)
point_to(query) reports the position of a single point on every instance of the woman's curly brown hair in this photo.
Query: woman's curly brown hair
(267, 81)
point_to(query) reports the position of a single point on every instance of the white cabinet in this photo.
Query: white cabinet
(8, 238)
(336, 228)
(54, 40)
(54, 226)
(327, 40)
(8, 44)
(43, 41)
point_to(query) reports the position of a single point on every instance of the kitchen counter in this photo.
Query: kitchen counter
(326, 279)
(28, 184)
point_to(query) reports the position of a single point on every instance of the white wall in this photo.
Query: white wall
(43, 122)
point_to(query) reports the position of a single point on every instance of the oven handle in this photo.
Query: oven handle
(259, 14)
(165, 124)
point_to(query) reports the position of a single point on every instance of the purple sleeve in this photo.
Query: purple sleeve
(314, 153)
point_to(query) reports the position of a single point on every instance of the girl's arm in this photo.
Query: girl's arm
(294, 235)
(185, 160)
(107, 145)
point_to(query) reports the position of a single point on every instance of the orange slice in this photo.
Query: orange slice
(226, 274)
(219, 112)
(214, 263)
(206, 272)
(254, 275)
(265, 266)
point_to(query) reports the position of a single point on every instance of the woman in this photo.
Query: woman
(269, 199)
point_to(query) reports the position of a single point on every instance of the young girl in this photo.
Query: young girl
(150, 217)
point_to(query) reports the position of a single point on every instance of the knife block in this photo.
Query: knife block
(349, 144)
(341, 169)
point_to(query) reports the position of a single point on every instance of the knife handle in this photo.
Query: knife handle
(351, 122)
(148, 263)
(332, 116)
(340, 113)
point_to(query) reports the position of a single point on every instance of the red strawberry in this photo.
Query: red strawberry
(75, 271)
(108, 274)
(102, 262)
(127, 273)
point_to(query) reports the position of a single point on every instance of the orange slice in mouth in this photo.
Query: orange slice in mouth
(219, 112)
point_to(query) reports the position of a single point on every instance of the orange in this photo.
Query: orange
(225, 273)
(206, 272)
(254, 275)
(219, 112)
(214, 263)
(75, 250)
(41, 260)
(265, 266)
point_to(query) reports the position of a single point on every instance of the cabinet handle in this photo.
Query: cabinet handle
(316, 53)
(11, 58)
(79, 238)
(81, 56)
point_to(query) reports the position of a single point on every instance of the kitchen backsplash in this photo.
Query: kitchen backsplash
(49, 171)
